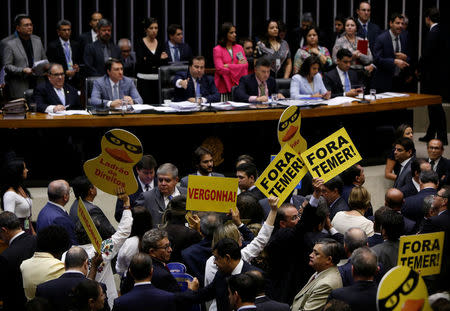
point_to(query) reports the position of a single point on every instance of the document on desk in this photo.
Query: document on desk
(140, 107)
(310, 101)
(340, 100)
(183, 106)
(382, 96)
(69, 113)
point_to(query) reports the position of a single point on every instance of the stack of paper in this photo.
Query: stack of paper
(340, 100)
(68, 113)
(184, 106)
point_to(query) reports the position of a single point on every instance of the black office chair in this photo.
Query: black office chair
(28, 95)
(89, 85)
(284, 86)
(166, 75)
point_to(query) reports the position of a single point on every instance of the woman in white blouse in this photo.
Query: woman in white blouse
(15, 196)
(308, 82)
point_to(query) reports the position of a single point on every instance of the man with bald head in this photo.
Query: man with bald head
(394, 199)
(53, 213)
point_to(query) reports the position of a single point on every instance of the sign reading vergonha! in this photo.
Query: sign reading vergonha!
(89, 226)
(422, 252)
(331, 156)
(212, 194)
(282, 174)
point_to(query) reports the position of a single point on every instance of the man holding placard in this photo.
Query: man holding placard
(331, 191)
(204, 163)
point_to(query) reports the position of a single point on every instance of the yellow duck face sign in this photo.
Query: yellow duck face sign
(113, 168)
(289, 129)
(402, 289)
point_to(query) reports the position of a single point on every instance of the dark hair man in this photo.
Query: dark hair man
(176, 49)
(259, 86)
(91, 35)
(403, 154)
(203, 161)
(114, 89)
(193, 85)
(323, 259)
(412, 186)
(247, 175)
(241, 292)
(263, 302)
(352, 177)
(342, 80)
(98, 52)
(366, 29)
(331, 191)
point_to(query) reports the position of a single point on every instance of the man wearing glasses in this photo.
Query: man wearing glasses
(438, 163)
(157, 199)
(55, 94)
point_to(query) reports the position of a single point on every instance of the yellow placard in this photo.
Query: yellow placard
(422, 252)
(401, 288)
(89, 227)
(282, 174)
(331, 156)
(211, 194)
(113, 168)
(289, 129)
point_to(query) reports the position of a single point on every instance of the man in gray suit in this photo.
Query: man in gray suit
(404, 154)
(19, 56)
(204, 163)
(114, 88)
(157, 199)
(323, 259)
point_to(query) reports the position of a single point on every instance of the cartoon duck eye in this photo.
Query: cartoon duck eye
(115, 140)
(391, 302)
(408, 286)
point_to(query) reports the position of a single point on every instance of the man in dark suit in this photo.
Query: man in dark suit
(257, 87)
(403, 154)
(377, 238)
(242, 292)
(263, 302)
(412, 186)
(114, 89)
(438, 163)
(194, 84)
(361, 295)
(145, 292)
(353, 238)
(155, 242)
(53, 212)
(84, 189)
(91, 35)
(128, 57)
(352, 177)
(21, 246)
(66, 52)
(331, 191)
(431, 73)
(146, 178)
(97, 53)
(343, 81)
(77, 266)
(391, 56)
(247, 175)
(156, 200)
(366, 29)
(203, 162)
(176, 49)
(413, 205)
(54, 94)
(395, 200)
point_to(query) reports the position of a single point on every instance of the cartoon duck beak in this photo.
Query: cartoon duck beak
(290, 133)
(119, 155)
(413, 305)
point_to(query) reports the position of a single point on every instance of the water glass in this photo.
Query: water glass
(373, 94)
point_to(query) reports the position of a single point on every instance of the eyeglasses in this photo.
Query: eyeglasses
(165, 247)
(58, 74)
(438, 195)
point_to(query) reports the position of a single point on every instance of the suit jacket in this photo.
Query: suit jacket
(195, 257)
(404, 176)
(207, 88)
(373, 31)
(313, 296)
(96, 211)
(55, 53)
(412, 208)
(410, 226)
(384, 56)
(338, 206)
(153, 200)
(11, 287)
(162, 278)
(362, 295)
(15, 60)
(387, 253)
(184, 181)
(248, 86)
(408, 189)
(102, 91)
(265, 304)
(333, 82)
(375, 239)
(94, 58)
(58, 291)
(443, 169)
(45, 95)
(129, 65)
(143, 296)
(431, 67)
(181, 237)
(85, 38)
(54, 215)
(185, 52)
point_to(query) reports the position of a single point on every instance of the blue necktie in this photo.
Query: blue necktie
(170, 197)
(67, 54)
(347, 85)
(197, 88)
(365, 30)
(115, 91)
(176, 53)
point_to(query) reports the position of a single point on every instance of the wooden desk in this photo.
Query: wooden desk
(41, 120)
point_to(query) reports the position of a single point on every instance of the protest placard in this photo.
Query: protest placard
(89, 226)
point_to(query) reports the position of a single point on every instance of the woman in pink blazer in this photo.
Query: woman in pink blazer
(229, 60)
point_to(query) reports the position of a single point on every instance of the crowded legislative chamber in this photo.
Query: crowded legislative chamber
(224, 155)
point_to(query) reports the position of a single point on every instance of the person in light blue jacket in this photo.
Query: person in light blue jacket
(308, 82)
